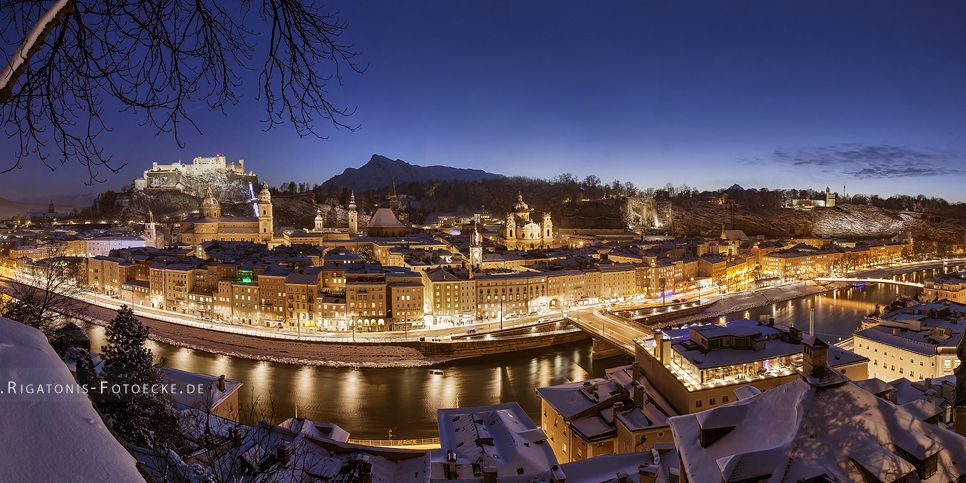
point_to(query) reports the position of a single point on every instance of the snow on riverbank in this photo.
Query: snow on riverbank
(329, 355)
(754, 299)
(751, 300)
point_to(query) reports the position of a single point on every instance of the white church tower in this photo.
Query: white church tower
(150, 232)
(266, 227)
(353, 215)
(319, 220)
(476, 249)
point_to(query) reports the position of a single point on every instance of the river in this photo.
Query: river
(369, 402)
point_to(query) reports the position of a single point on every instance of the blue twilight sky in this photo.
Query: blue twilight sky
(869, 94)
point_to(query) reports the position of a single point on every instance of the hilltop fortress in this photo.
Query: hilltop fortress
(196, 177)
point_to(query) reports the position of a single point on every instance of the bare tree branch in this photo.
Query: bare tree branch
(160, 59)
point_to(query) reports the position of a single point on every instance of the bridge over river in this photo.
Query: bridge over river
(612, 334)
(889, 281)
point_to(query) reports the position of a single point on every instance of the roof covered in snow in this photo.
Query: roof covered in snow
(49, 436)
(773, 342)
(922, 328)
(273, 453)
(797, 432)
(197, 390)
(594, 407)
(501, 437)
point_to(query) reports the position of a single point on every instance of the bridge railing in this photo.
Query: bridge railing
(396, 442)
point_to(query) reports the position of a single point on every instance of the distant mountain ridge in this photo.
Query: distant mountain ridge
(381, 172)
(10, 208)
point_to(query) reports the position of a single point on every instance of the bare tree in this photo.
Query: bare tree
(225, 450)
(72, 60)
(44, 294)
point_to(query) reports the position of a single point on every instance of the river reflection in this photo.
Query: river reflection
(836, 314)
(369, 402)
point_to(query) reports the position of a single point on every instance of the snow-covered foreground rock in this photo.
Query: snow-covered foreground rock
(49, 430)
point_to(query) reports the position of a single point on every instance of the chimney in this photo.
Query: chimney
(221, 383)
(928, 382)
(451, 465)
(283, 453)
(621, 477)
(557, 475)
(365, 472)
(815, 356)
(637, 394)
(489, 474)
(959, 417)
(234, 435)
(647, 474)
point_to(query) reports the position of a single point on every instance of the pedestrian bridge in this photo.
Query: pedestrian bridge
(870, 280)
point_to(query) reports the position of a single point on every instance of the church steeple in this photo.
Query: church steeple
(264, 196)
(393, 198)
(353, 215)
(266, 225)
(150, 232)
(319, 220)
(476, 250)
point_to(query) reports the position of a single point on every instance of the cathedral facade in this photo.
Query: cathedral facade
(210, 225)
(522, 233)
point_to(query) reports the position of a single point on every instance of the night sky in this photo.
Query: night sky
(871, 95)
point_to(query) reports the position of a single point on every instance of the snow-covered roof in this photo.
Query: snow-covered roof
(500, 436)
(316, 429)
(594, 406)
(943, 389)
(49, 436)
(921, 328)
(774, 344)
(797, 431)
(316, 459)
(209, 398)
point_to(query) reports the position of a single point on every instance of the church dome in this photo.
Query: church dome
(210, 208)
(520, 206)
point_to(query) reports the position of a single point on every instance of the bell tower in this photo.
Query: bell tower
(509, 230)
(150, 232)
(546, 227)
(319, 220)
(353, 215)
(266, 229)
(476, 248)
